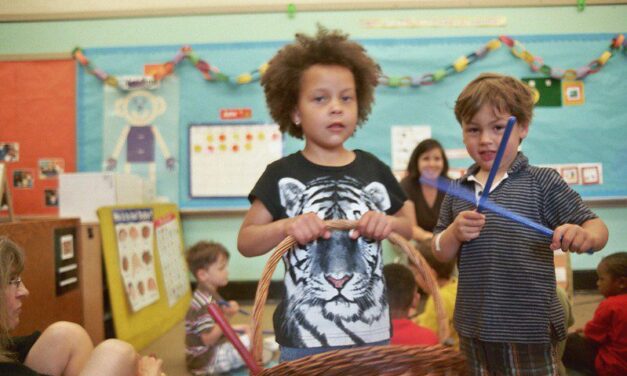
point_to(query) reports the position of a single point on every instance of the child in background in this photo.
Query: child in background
(207, 350)
(320, 88)
(507, 312)
(402, 296)
(603, 345)
(447, 283)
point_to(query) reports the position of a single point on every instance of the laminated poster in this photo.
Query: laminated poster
(171, 256)
(134, 232)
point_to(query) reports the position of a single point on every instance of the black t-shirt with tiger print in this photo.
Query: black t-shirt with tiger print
(334, 289)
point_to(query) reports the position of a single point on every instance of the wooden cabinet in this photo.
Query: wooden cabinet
(45, 305)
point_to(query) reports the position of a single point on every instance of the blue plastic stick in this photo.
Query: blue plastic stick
(497, 161)
(445, 185)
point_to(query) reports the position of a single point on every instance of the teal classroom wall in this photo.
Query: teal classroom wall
(62, 36)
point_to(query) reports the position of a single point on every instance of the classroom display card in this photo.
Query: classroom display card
(171, 256)
(66, 260)
(227, 160)
(404, 141)
(134, 232)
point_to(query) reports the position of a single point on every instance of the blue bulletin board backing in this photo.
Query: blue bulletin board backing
(594, 132)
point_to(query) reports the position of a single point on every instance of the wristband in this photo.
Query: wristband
(437, 242)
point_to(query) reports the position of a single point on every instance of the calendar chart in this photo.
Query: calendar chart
(227, 160)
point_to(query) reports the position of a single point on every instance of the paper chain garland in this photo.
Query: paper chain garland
(536, 63)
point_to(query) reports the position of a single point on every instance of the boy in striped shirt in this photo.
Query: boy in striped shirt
(507, 312)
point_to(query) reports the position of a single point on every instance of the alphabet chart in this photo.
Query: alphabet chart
(170, 249)
(227, 160)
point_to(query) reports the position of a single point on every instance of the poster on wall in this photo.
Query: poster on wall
(227, 160)
(404, 140)
(140, 133)
(175, 275)
(135, 238)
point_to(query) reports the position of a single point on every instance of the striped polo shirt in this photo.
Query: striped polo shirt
(506, 290)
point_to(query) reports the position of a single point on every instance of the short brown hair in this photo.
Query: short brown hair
(203, 254)
(506, 94)
(400, 285)
(282, 81)
(444, 270)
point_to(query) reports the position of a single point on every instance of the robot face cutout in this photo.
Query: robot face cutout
(140, 107)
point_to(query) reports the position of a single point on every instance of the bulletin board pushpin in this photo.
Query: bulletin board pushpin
(291, 10)
(581, 5)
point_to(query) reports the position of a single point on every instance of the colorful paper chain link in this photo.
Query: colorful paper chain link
(536, 63)
(209, 72)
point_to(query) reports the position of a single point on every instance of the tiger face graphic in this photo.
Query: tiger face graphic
(334, 287)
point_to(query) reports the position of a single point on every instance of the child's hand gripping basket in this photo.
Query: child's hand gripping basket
(367, 360)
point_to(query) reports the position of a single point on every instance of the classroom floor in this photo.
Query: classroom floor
(170, 347)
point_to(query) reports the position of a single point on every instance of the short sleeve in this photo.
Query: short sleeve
(446, 214)
(562, 203)
(266, 191)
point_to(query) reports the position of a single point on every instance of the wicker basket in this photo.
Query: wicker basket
(367, 360)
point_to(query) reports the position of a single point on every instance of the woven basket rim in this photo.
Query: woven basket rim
(343, 225)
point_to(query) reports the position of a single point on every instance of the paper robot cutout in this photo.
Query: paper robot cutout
(140, 108)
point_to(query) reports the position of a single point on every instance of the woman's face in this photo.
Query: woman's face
(431, 163)
(14, 293)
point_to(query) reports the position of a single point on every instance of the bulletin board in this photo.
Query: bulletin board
(37, 130)
(592, 132)
(141, 321)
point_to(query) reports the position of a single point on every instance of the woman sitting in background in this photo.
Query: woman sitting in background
(64, 348)
(428, 160)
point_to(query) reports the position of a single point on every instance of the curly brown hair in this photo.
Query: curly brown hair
(507, 94)
(282, 80)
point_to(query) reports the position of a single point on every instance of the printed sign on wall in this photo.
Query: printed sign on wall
(227, 160)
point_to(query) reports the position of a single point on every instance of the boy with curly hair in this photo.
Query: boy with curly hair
(319, 89)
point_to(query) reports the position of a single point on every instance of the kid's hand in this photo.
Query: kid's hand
(243, 329)
(149, 366)
(468, 225)
(306, 228)
(373, 225)
(231, 309)
(572, 238)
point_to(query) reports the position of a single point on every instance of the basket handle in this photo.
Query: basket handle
(264, 283)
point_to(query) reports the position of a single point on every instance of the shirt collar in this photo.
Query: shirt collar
(520, 162)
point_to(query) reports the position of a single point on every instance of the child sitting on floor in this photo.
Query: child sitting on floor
(447, 283)
(402, 296)
(603, 345)
(207, 350)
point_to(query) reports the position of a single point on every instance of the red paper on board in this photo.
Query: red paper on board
(38, 111)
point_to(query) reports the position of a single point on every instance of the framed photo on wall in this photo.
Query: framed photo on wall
(66, 260)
